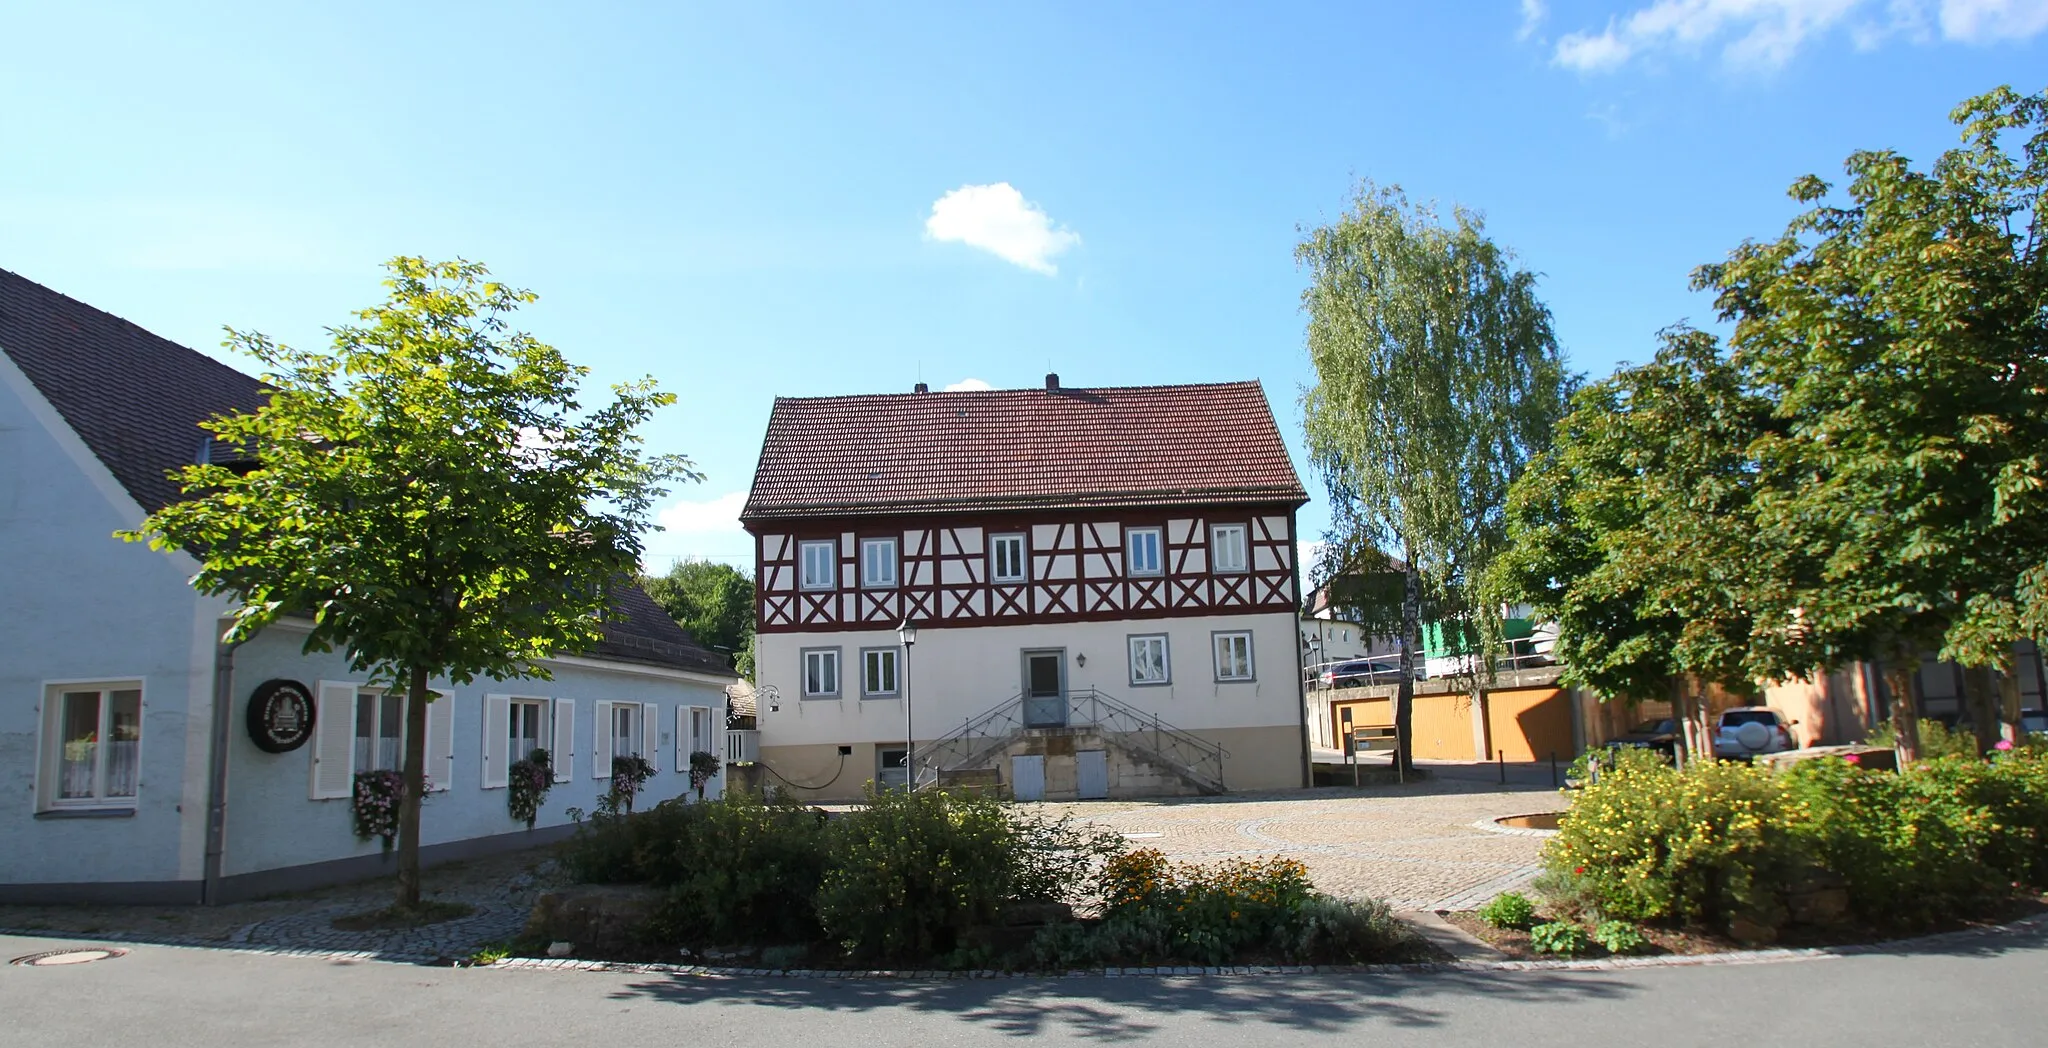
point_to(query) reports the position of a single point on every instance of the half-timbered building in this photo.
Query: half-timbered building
(1103, 585)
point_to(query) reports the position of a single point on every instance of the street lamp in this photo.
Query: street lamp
(907, 633)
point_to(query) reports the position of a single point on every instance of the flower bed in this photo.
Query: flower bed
(933, 880)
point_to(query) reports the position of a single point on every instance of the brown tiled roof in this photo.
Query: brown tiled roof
(137, 399)
(1020, 449)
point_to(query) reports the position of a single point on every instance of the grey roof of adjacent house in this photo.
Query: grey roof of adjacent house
(136, 400)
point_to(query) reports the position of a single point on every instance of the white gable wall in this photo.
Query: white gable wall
(81, 605)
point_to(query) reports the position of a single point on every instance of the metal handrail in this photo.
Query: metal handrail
(979, 739)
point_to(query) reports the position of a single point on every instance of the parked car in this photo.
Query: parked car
(1357, 673)
(1659, 735)
(1751, 731)
(2034, 721)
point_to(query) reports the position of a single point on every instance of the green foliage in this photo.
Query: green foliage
(1437, 376)
(1897, 329)
(1935, 740)
(703, 768)
(1907, 844)
(1630, 533)
(910, 872)
(714, 601)
(430, 492)
(1564, 938)
(738, 868)
(1947, 837)
(1205, 913)
(629, 774)
(1508, 910)
(1700, 846)
(488, 954)
(1620, 938)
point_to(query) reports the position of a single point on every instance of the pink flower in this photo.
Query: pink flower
(2003, 744)
(1853, 758)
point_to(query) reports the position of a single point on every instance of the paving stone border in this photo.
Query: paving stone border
(1766, 956)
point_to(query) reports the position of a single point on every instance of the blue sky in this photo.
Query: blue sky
(798, 199)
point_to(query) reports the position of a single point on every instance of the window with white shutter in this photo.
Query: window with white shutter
(602, 744)
(332, 773)
(564, 739)
(650, 730)
(497, 758)
(440, 742)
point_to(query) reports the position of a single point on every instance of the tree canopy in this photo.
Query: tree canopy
(1437, 376)
(714, 601)
(430, 492)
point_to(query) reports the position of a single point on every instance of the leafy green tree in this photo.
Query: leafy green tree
(714, 601)
(431, 492)
(1437, 375)
(1635, 533)
(1900, 333)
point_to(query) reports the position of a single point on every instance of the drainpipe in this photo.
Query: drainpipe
(217, 769)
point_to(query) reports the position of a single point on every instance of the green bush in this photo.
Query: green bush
(1205, 913)
(1700, 846)
(1620, 938)
(2012, 793)
(909, 873)
(1509, 910)
(1936, 740)
(1907, 845)
(1347, 931)
(1563, 938)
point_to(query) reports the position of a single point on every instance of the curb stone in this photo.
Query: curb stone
(1766, 956)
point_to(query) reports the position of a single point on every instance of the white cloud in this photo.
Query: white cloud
(997, 219)
(1766, 34)
(968, 385)
(1590, 53)
(1533, 13)
(714, 516)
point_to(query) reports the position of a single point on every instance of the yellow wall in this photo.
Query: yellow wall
(1530, 724)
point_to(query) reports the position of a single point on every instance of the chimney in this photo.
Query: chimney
(921, 388)
(1052, 381)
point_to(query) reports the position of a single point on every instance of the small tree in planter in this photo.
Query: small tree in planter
(529, 781)
(703, 768)
(629, 773)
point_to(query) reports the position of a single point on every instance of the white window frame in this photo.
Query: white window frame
(805, 578)
(1158, 544)
(830, 655)
(1022, 549)
(634, 719)
(1131, 646)
(544, 728)
(873, 561)
(50, 764)
(1240, 548)
(869, 658)
(377, 697)
(1217, 642)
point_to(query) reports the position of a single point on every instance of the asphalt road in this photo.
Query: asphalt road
(1981, 992)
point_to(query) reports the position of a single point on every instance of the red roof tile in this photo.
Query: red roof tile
(1019, 449)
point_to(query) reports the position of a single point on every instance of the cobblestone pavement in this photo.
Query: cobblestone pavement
(1414, 846)
(501, 888)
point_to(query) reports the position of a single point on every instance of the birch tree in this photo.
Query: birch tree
(1437, 376)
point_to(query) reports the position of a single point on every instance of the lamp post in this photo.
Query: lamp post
(907, 633)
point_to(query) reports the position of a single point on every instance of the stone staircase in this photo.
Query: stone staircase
(1143, 755)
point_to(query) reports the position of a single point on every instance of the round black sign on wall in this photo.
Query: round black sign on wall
(280, 716)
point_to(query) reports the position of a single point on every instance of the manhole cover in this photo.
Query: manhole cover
(54, 957)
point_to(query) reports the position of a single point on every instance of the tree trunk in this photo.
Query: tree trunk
(2011, 728)
(1978, 691)
(1899, 677)
(1404, 691)
(415, 789)
(1684, 748)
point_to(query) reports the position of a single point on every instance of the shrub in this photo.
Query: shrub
(1205, 913)
(1936, 740)
(2012, 792)
(1559, 937)
(1509, 910)
(1699, 845)
(1347, 931)
(1620, 938)
(742, 869)
(1569, 893)
(909, 872)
